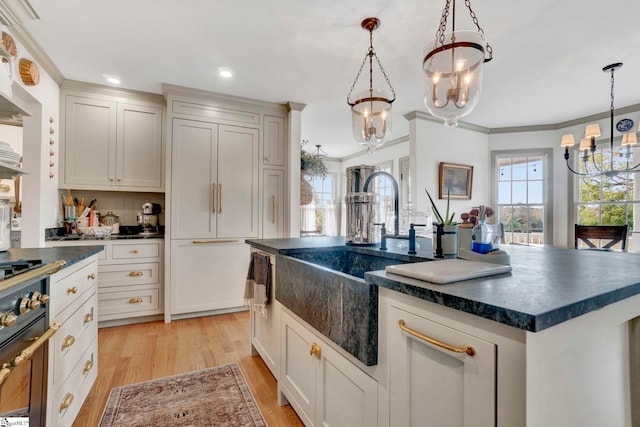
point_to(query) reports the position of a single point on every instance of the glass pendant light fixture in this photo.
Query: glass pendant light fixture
(453, 65)
(588, 143)
(371, 109)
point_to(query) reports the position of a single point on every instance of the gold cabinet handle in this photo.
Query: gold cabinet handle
(88, 318)
(88, 365)
(200, 242)
(28, 352)
(136, 300)
(67, 342)
(213, 197)
(220, 195)
(135, 274)
(66, 401)
(91, 276)
(73, 290)
(468, 349)
(273, 209)
(315, 350)
(135, 251)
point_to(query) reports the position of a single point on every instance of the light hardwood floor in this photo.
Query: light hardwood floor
(144, 351)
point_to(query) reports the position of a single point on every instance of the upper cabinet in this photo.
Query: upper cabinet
(111, 143)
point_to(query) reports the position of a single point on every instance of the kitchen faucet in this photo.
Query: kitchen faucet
(396, 222)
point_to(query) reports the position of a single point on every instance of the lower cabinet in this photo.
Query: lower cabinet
(438, 376)
(207, 275)
(265, 330)
(323, 386)
(73, 350)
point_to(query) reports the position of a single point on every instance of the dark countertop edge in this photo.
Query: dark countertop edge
(526, 321)
(70, 254)
(112, 237)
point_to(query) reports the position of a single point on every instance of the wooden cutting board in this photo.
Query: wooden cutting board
(447, 271)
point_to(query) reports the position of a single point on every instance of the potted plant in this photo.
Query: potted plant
(445, 239)
(312, 166)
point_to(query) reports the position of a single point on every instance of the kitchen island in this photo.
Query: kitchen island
(551, 340)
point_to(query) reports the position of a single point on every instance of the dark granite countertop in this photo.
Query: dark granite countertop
(547, 286)
(127, 232)
(71, 254)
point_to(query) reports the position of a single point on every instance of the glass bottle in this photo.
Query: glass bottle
(482, 234)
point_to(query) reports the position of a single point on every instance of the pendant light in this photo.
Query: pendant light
(453, 65)
(371, 109)
(588, 143)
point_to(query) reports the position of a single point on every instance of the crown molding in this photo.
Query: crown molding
(428, 117)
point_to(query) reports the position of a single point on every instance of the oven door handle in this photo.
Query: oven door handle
(27, 353)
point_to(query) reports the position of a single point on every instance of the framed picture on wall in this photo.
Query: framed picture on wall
(455, 180)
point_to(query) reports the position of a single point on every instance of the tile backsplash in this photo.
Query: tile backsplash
(126, 205)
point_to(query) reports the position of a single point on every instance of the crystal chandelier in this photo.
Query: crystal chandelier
(588, 143)
(371, 110)
(453, 65)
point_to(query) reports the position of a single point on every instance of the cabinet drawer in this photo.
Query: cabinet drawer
(139, 302)
(73, 338)
(68, 285)
(138, 250)
(75, 389)
(128, 274)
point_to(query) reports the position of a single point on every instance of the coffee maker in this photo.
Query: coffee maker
(148, 218)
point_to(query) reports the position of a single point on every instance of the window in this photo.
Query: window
(319, 216)
(607, 199)
(522, 180)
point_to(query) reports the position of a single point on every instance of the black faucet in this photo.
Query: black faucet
(395, 199)
(383, 237)
(412, 237)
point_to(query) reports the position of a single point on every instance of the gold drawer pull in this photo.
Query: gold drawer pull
(220, 195)
(88, 317)
(135, 274)
(274, 208)
(213, 198)
(66, 401)
(67, 342)
(135, 300)
(315, 350)
(73, 290)
(28, 352)
(91, 276)
(468, 349)
(198, 242)
(88, 365)
(135, 251)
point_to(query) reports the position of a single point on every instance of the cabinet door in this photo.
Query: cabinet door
(298, 368)
(433, 386)
(237, 203)
(193, 179)
(89, 142)
(273, 204)
(274, 141)
(139, 160)
(346, 396)
(265, 330)
(207, 276)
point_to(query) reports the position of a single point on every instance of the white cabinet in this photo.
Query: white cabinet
(73, 351)
(323, 386)
(109, 144)
(207, 275)
(273, 204)
(433, 381)
(274, 137)
(214, 181)
(265, 330)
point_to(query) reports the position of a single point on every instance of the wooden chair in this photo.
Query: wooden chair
(613, 233)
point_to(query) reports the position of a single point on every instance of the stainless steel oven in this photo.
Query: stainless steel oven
(23, 339)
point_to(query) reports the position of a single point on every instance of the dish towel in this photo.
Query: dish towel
(258, 285)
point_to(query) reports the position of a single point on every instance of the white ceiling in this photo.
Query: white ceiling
(548, 54)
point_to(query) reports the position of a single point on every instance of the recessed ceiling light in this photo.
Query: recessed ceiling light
(225, 72)
(113, 80)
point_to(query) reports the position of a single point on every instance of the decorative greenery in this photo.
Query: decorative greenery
(313, 165)
(446, 220)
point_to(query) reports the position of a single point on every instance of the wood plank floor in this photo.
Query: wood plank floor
(145, 351)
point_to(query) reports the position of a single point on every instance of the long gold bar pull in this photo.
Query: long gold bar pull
(200, 242)
(273, 209)
(468, 349)
(220, 195)
(213, 198)
(28, 352)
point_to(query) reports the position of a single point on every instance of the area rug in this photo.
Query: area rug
(210, 397)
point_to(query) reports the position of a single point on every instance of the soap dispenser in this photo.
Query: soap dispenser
(482, 233)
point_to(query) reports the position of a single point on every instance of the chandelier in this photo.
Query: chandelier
(453, 65)
(588, 143)
(371, 110)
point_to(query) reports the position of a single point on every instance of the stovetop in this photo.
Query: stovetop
(12, 268)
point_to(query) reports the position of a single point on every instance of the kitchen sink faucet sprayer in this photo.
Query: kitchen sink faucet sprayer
(396, 222)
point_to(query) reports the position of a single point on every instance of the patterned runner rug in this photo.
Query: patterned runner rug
(210, 397)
